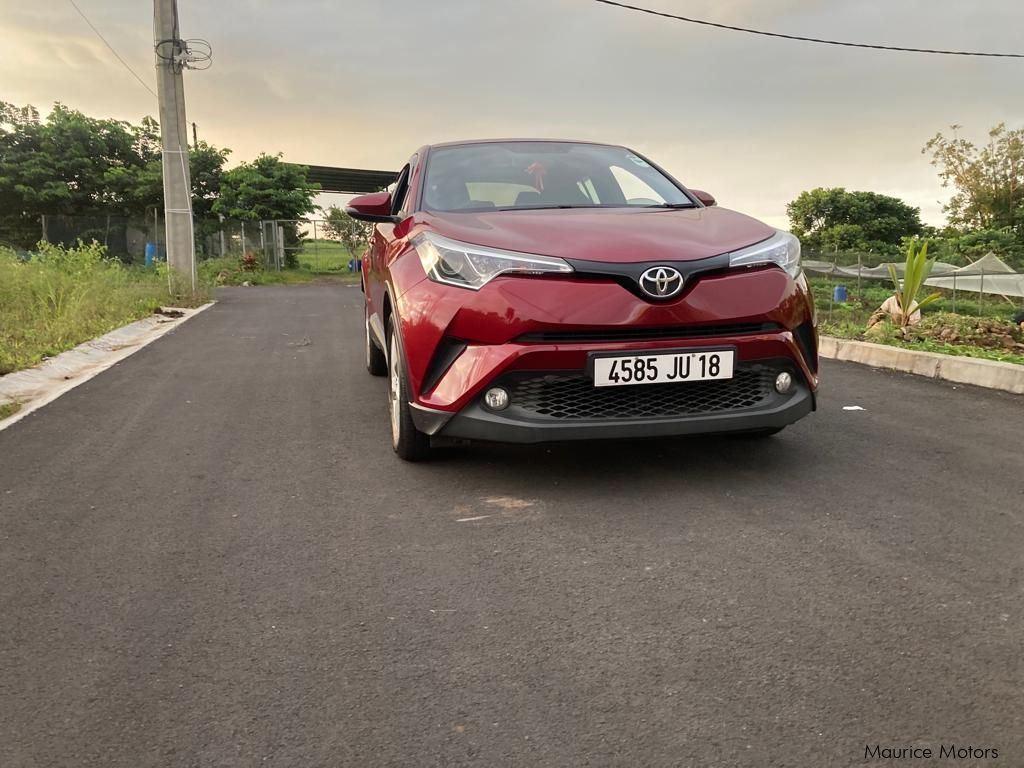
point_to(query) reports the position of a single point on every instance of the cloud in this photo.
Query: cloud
(362, 83)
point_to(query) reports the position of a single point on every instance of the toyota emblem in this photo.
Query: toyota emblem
(661, 282)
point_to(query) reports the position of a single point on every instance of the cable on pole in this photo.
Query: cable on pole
(801, 38)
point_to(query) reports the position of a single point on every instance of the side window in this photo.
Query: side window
(401, 192)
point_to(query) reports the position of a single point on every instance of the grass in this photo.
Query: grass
(856, 332)
(983, 332)
(9, 409)
(324, 256)
(862, 303)
(229, 271)
(62, 297)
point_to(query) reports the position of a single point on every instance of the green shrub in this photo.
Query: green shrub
(64, 296)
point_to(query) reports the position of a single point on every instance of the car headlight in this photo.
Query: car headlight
(781, 248)
(473, 266)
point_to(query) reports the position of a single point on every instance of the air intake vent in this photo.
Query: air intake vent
(649, 334)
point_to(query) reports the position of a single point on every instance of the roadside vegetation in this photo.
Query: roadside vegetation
(240, 271)
(985, 215)
(56, 298)
(985, 331)
(930, 323)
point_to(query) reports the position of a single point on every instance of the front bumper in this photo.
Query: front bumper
(549, 406)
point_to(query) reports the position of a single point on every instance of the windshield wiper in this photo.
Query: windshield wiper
(671, 206)
(540, 207)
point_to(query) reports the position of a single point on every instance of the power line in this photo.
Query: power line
(653, 12)
(116, 54)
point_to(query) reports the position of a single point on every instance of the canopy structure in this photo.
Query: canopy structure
(354, 181)
(989, 274)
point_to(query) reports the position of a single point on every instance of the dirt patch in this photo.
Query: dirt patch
(985, 332)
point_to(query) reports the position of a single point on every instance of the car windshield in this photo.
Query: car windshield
(543, 174)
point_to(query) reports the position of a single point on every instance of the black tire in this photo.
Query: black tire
(376, 360)
(409, 443)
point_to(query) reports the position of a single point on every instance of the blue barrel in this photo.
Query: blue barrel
(150, 254)
(839, 293)
(355, 265)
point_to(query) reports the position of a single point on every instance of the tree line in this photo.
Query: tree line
(74, 165)
(70, 164)
(985, 211)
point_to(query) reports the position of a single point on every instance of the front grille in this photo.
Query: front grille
(649, 334)
(563, 396)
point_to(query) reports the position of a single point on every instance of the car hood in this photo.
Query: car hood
(606, 234)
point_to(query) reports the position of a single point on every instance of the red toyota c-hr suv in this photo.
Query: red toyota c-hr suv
(528, 291)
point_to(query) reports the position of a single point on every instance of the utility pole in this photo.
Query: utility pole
(170, 52)
(195, 137)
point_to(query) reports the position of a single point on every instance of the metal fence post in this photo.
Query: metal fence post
(280, 246)
(858, 277)
(954, 292)
(831, 290)
(981, 293)
(316, 249)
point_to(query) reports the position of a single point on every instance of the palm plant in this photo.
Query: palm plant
(916, 271)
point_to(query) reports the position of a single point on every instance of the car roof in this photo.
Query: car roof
(521, 140)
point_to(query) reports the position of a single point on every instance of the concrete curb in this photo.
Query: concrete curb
(992, 374)
(35, 387)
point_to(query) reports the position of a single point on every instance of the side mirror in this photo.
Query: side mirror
(704, 197)
(374, 207)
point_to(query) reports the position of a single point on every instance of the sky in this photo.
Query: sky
(363, 83)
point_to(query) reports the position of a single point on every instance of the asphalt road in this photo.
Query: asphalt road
(209, 556)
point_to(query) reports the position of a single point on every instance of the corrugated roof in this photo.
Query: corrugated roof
(349, 180)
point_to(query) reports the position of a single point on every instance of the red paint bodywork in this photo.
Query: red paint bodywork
(490, 320)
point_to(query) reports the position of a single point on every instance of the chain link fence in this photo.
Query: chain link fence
(988, 287)
(141, 240)
(308, 244)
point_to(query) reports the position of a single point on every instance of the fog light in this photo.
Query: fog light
(496, 399)
(783, 382)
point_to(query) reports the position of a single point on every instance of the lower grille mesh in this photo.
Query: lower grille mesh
(572, 396)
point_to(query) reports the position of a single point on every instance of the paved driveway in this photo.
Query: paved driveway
(210, 557)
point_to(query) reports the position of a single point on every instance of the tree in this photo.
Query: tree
(916, 270)
(988, 181)
(75, 165)
(266, 189)
(353, 234)
(206, 166)
(835, 219)
(66, 165)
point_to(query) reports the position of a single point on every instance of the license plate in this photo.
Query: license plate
(674, 367)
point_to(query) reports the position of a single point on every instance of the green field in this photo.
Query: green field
(869, 297)
(324, 256)
(977, 325)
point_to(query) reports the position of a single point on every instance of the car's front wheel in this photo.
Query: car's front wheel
(409, 443)
(376, 360)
